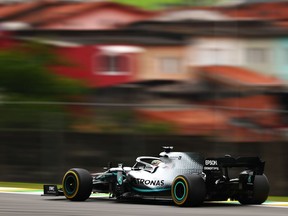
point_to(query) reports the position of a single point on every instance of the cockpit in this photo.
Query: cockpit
(147, 163)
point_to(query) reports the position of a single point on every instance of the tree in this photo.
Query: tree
(199, 2)
(25, 71)
(26, 75)
(158, 4)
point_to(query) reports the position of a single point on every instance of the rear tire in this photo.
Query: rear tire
(260, 192)
(77, 184)
(188, 190)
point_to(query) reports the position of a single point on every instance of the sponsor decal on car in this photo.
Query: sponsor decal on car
(211, 168)
(211, 165)
(148, 182)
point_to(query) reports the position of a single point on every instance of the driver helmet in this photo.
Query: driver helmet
(155, 162)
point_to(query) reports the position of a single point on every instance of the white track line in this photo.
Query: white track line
(39, 193)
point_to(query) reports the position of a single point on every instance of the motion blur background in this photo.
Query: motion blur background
(84, 83)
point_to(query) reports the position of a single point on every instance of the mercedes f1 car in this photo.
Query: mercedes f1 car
(186, 177)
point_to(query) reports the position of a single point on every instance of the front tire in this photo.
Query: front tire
(77, 184)
(188, 190)
(260, 192)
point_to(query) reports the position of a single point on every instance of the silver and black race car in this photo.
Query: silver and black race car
(186, 177)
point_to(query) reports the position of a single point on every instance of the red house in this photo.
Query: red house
(100, 65)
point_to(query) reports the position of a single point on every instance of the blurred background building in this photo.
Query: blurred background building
(168, 71)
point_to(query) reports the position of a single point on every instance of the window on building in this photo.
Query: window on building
(113, 64)
(215, 56)
(221, 56)
(257, 55)
(170, 64)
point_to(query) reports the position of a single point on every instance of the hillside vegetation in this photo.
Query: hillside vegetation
(158, 4)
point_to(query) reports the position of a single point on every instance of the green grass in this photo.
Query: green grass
(21, 185)
(278, 199)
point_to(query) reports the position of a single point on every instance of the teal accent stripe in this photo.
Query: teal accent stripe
(150, 189)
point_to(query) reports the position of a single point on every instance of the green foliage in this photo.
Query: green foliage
(25, 76)
(151, 127)
(158, 4)
(20, 73)
(25, 71)
(69, 87)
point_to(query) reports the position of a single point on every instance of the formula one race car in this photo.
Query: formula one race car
(186, 177)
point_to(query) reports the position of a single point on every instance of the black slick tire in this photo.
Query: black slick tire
(260, 192)
(188, 190)
(77, 184)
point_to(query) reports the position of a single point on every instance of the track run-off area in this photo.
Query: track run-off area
(21, 201)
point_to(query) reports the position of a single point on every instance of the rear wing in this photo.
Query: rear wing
(254, 164)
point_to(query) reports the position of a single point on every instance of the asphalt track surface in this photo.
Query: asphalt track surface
(19, 204)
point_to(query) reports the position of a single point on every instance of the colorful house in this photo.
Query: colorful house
(114, 57)
(71, 15)
(224, 71)
(164, 62)
(233, 64)
(100, 65)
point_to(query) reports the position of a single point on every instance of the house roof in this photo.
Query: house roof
(238, 76)
(247, 18)
(53, 11)
(7, 10)
(263, 10)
